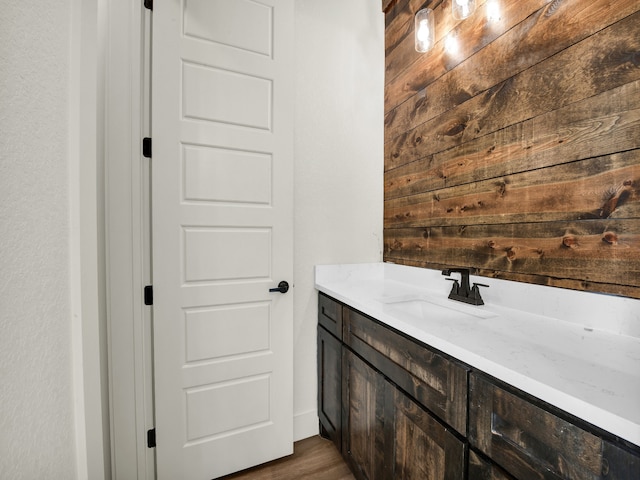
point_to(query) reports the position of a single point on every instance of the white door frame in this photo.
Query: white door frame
(127, 107)
(126, 74)
(87, 316)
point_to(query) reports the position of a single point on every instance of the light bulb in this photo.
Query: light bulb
(493, 11)
(424, 30)
(451, 44)
(462, 8)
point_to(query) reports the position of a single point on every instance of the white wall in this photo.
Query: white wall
(36, 392)
(53, 423)
(338, 162)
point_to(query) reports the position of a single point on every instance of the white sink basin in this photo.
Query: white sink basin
(428, 307)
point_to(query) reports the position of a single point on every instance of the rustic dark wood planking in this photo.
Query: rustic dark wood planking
(509, 160)
(408, 73)
(596, 188)
(399, 21)
(599, 125)
(538, 37)
(599, 63)
(598, 251)
(399, 41)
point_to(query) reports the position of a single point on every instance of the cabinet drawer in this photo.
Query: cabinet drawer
(533, 443)
(437, 382)
(330, 315)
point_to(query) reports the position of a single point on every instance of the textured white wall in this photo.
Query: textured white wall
(36, 397)
(338, 162)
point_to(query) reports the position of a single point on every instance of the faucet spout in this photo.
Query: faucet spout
(464, 288)
(462, 291)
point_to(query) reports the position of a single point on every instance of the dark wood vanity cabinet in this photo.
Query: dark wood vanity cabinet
(398, 409)
(387, 435)
(437, 382)
(391, 387)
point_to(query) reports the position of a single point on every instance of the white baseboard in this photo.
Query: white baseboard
(305, 425)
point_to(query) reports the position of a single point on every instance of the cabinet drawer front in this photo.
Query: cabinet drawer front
(531, 442)
(437, 382)
(330, 315)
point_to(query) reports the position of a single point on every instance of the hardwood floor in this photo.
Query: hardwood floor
(313, 458)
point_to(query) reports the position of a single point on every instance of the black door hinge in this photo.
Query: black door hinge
(148, 4)
(151, 438)
(148, 295)
(146, 147)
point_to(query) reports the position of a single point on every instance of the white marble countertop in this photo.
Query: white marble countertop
(575, 350)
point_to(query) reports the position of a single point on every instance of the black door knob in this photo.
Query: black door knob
(283, 287)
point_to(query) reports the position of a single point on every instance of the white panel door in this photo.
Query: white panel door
(222, 192)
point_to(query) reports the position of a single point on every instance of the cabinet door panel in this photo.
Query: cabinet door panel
(364, 421)
(330, 386)
(437, 382)
(423, 448)
(532, 443)
(480, 469)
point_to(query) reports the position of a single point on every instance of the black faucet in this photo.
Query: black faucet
(461, 291)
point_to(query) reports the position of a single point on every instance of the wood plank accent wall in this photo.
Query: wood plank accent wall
(519, 155)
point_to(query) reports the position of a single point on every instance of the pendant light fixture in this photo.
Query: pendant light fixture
(424, 30)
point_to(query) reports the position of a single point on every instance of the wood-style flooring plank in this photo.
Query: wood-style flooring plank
(313, 458)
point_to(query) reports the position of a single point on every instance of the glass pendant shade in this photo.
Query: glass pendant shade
(462, 8)
(424, 30)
